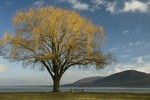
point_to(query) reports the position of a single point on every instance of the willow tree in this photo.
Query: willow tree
(54, 39)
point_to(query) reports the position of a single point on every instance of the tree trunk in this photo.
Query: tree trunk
(56, 84)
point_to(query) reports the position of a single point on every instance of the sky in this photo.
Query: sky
(126, 24)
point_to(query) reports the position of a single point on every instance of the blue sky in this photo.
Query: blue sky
(127, 27)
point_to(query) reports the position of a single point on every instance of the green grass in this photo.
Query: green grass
(73, 96)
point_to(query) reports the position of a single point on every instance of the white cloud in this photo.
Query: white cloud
(77, 4)
(2, 68)
(113, 49)
(131, 44)
(134, 6)
(95, 4)
(136, 43)
(128, 50)
(39, 3)
(139, 59)
(147, 56)
(111, 7)
(124, 56)
(119, 67)
(143, 67)
(99, 2)
(125, 32)
(81, 6)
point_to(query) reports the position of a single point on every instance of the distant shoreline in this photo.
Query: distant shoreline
(37, 89)
(61, 86)
(70, 93)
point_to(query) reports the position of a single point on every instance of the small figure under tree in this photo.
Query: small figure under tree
(55, 39)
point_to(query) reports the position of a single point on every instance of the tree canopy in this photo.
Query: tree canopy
(55, 39)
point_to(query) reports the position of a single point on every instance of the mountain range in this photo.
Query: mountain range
(128, 78)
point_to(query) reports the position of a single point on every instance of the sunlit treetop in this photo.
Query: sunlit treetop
(54, 37)
(53, 21)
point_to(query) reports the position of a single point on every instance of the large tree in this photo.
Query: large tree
(54, 39)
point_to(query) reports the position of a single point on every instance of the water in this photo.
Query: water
(67, 89)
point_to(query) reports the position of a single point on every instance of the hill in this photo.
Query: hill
(83, 81)
(129, 78)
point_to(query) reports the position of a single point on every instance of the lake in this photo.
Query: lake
(67, 89)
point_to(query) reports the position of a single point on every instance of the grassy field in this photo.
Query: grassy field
(73, 96)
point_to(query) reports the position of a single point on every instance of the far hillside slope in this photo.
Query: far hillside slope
(128, 78)
(84, 81)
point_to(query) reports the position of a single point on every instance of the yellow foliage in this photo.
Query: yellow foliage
(53, 33)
